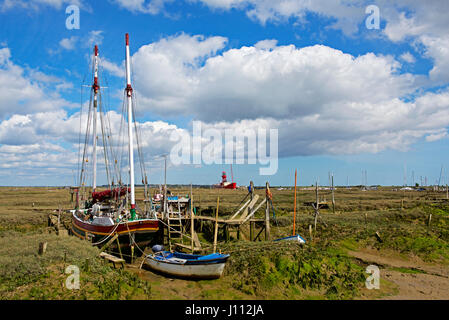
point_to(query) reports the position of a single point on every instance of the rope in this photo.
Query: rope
(108, 236)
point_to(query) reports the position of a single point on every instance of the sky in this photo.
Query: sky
(345, 95)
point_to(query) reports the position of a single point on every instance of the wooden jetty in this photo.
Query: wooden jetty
(178, 218)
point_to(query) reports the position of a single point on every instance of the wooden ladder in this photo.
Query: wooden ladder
(175, 229)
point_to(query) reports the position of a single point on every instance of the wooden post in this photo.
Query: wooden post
(317, 204)
(251, 230)
(165, 188)
(132, 254)
(267, 214)
(110, 241)
(366, 220)
(333, 198)
(216, 226)
(86, 265)
(59, 217)
(119, 249)
(192, 227)
(294, 207)
(42, 248)
(310, 232)
(378, 236)
(447, 192)
(430, 220)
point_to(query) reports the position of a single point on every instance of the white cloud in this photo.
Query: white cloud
(437, 136)
(6, 5)
(95, 37)
(407, 57)
(28, 94)
(424, 22)
(253, 82)
(69, 43)
(112, 68)
(143, 6)
(348, 14)
(321, 99)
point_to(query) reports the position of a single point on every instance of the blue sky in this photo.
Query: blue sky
(344, 98)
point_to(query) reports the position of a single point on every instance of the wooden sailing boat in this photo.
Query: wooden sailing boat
(113, 212)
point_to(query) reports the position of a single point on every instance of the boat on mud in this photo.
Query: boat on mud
(102, 215)
(188, 266)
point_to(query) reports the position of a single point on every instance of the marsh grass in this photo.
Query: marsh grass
(282, 270)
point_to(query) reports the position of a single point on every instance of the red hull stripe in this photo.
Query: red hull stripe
(134, 226)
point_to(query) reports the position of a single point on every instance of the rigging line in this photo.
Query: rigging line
(104, 142)
(122, 135)
(89, 119)
(79, 133)
(109, 134)
(139, 149)
(134, 106)
(79, 139)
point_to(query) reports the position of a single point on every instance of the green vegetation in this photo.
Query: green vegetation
(285, 270)
(321, 269)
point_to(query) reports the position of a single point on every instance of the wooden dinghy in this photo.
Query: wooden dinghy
(190, 266)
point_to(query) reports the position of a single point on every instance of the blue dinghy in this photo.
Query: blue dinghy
(188, 265)
(293, 238)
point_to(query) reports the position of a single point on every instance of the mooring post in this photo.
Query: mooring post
(119, 249)
(366, 220)
(192, 227)
(333, 198)
(294, 207)
(251, 230)
(59, 217)
(42, 248)
(267, 213)
(216, 226)
(317, 204)
(132, 254)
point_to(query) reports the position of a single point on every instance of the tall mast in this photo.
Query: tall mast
(129, 92)
(95, 88)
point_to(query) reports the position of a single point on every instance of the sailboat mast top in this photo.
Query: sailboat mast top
(129, 91)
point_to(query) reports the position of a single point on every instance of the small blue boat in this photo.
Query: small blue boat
(185, 265)
(293, 238)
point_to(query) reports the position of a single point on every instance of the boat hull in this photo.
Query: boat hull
(144, 231)
(188, 270)
(293, 238)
